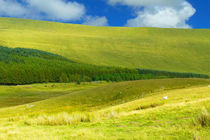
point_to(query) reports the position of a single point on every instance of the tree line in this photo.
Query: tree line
(26, 66)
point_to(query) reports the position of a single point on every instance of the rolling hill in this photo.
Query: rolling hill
(125, 110)
(99, 97)
(175, 50)
(102, 82)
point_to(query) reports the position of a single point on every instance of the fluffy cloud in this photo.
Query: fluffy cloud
(159, 13)
(57, 9)
(11, 8)
(164, 17)
(42, 9)
(137, 3)
(96, 21)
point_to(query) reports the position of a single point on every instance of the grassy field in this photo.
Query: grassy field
(176, 50)
(17, 95)
(101, 97)
(56, 52)
(125, 110)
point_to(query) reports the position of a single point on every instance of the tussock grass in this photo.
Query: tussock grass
(151, 105)
(69, 119)
(203, 119)
(60, 119)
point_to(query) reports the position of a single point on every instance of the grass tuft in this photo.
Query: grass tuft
(204, 118)
(70, 119)
(147, 106)
(59, 119)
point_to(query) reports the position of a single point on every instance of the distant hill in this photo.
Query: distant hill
(176, 50)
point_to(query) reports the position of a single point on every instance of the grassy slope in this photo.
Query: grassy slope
(178, 50)
(173, 119)
(101, 97)
(17, 95)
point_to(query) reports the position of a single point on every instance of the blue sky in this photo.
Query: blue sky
(201, 19)
(132, 13)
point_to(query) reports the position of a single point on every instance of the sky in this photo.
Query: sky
(124, 13)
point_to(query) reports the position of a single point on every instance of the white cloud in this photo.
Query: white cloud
(137, 3)
(57, 9)
(159, 13)
(42, 9)
(11, 8)
(164, 17)
(96, 21)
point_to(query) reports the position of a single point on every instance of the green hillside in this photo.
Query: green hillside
(176, 50)
(18, 95)
(96, 98)
(27, 66)
(125, 110)
(115, 83)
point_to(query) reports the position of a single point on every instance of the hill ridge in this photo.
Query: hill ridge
(180, 50)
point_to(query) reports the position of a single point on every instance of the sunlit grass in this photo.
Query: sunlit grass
(155, 102)
(174, 119)
(102, 97)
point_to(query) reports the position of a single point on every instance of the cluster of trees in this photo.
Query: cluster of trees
(26, 66)
(166, 74)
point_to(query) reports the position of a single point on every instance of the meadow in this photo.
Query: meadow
(125, 110)
(23, 94)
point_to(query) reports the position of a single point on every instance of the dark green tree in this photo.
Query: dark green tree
(63, 78)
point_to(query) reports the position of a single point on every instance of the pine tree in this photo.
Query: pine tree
(63, 78)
